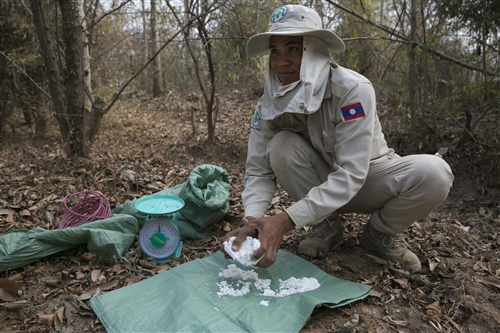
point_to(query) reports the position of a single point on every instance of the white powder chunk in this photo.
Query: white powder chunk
(268, 292)
(241, 281)
(244, 254)
(262, 284)
(226, 289)
(264, 303)
(295, 286)
(234, 272)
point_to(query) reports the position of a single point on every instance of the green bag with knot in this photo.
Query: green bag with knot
(206, 198)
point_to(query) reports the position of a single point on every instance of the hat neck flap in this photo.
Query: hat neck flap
(306, 95)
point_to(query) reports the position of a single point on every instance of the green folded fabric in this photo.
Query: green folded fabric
(184, 299)
(108, 239)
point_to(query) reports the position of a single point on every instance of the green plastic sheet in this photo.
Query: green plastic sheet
(108, 239)
(184, 299)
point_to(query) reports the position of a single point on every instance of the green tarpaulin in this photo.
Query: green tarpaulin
(108, 239)
(184, 299)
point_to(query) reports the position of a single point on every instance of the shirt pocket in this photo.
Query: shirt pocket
(329, 141)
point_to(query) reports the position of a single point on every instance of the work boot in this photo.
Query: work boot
(389, 247)
(322, 238)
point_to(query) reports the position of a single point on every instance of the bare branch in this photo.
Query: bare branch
(407, 40)
(106, 14)
(29, 77)
(154, 56)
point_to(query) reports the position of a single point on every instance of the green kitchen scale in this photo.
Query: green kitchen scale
(159, 238)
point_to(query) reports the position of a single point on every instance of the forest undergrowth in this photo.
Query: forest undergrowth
(145, 147)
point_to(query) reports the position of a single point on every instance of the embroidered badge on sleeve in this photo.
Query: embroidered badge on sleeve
(352, 111)
(256, 120)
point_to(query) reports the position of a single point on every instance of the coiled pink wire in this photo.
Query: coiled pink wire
(92, 206)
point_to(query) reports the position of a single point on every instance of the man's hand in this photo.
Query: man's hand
(271, 230)
(240, 234)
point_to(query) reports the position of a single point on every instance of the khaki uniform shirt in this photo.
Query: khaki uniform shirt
(345, 131)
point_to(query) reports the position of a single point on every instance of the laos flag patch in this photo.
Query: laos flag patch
(352, 111)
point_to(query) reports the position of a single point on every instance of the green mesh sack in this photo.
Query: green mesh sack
(206, 195)
(206, 198)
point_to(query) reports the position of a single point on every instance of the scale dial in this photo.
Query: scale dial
(159, 239)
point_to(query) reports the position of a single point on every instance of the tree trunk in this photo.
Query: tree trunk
(157, 78)
(85, 57)
(144, 82)
(484, 34)
(54, 75)
(382, 12)
(412, 91)
(78, 145)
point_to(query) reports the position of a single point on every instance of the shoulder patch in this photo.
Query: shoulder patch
(352, 111)
(256, 119)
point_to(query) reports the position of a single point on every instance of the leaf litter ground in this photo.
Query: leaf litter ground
(145, 147)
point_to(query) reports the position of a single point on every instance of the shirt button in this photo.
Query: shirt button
(302, 107)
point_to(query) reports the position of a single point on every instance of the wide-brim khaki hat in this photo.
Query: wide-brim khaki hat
(294, 20)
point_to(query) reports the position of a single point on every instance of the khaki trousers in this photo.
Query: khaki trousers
(397, 191)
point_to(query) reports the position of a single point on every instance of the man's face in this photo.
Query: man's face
(285, 57)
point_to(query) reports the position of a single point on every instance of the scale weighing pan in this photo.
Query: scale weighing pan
(159, 204)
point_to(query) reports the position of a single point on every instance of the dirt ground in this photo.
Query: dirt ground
(146, 147)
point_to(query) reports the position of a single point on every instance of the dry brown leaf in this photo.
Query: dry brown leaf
(117, 268)
(132, 280)
(147, 264)
(12, 306)
(58, 319)
(403, 283)
(6, 297)
(74, 290)
(432, 311)
(17, 277)
(377, 259)
(40, 270)
(129, 175)
(52, 282)
(25, 213)
(92, 291)
(421, 294)
(10, 286)
(226, 227)
(89, 256)
(432, 265)
(394, 322)
(403, 330)
(95, 275)
(10, 217)
(46, 319)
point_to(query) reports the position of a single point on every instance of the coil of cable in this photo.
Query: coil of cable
(83, 207)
